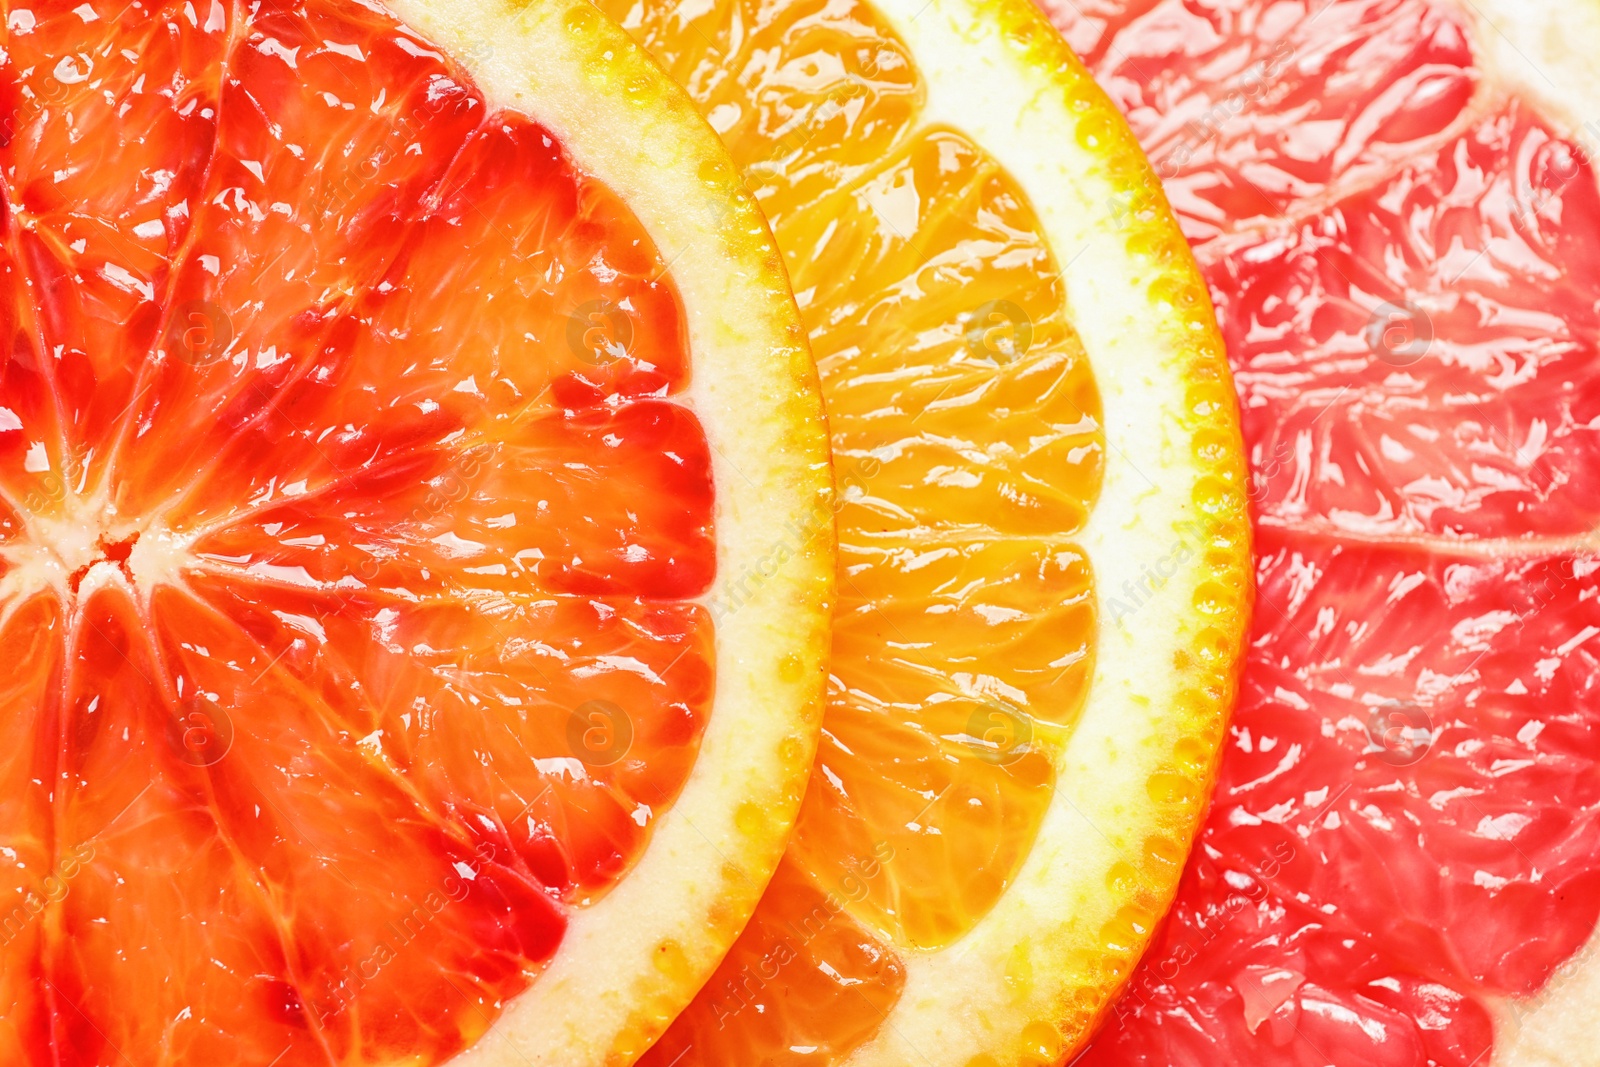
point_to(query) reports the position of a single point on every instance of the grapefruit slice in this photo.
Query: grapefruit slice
(1395, 207)
(1043, 575)
(384, 390)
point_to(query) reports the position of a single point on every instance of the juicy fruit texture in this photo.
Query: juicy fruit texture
(968, 448)
(980, 491)
(347, 603)
(1456, 791)
(806, 983)
(1404, 841)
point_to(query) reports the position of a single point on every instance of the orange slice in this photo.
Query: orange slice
(380, 402)
(1395, 205)
(1043, 571)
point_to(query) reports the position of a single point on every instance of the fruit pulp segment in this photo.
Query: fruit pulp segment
(1404, 831)
(1404, 263)
(804, 984)
(349, 540)
(969, 449)
(1404, 368)
(1253, 110)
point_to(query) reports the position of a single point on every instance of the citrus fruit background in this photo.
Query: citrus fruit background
(1029, 412)
(1399, 227)
(356, 680)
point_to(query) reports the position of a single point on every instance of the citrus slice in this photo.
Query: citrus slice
(380, 401)
(1043, 578)
(1395, 207)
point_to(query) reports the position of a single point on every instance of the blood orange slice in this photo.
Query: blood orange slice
(1042, 529)
(1396, 210)
(380, 402)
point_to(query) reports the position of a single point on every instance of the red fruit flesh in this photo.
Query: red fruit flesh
(348, 540)
(1406, 265)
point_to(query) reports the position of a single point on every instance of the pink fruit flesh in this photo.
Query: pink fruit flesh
(1406, 265)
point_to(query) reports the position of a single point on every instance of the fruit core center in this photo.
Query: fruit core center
(82, 551)
(111, 552)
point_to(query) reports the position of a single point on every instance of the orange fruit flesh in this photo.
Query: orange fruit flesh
(349, 541)
(1403, 255)
(968, 447)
